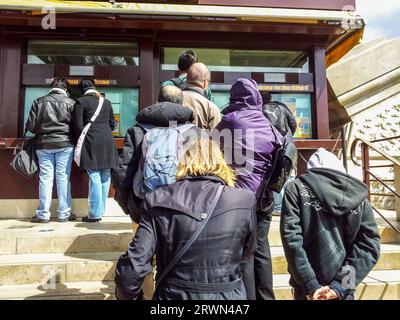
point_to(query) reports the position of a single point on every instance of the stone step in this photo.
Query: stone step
(387, 233)
(26, 208)
(100, 266)
(389, 259)
(111, 234)
(39, 268)
(379, 285)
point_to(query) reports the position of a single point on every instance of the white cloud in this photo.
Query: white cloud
(377, 7)
(381, 17)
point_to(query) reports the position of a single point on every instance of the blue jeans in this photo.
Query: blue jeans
(99, 185)
(58, 161)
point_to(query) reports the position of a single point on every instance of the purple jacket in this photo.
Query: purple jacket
(254, 142)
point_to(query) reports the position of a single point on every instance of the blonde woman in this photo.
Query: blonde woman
(210, 268)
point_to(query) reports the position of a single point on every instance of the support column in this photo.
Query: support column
(321, 94)
(10, 102)
(147, 81)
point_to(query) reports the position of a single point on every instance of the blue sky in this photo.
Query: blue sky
(382, 18)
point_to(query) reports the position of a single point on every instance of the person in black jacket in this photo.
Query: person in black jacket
(210, 269)
(328, 231)
(50, 121)
(99, 153)
(168, 109)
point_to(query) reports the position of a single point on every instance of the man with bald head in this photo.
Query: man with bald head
(207, 114)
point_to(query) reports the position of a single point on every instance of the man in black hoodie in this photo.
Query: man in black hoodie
(328, 230)
(168, 110)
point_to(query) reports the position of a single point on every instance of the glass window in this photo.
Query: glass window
(125, 103)
(300, 105)
(235, 60)
(85, 53)
(221, 99)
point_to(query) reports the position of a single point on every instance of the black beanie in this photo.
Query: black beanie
(85, 85)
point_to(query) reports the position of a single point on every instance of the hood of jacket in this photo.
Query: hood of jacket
(161, 114)
(244, 95)
(340, 193)
(190, 195)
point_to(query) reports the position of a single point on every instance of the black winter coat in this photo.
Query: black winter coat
(172, 214)
(98, 150)
(327, 228)
(50, 121)
(160, 115)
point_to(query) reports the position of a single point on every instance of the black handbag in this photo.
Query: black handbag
(25, 159)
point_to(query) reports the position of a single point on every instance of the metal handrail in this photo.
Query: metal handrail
(367, 172)
(376, 149)
(386, 220)
(386, 139)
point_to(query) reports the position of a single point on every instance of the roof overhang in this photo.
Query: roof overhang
(240, 13)
(339, 44)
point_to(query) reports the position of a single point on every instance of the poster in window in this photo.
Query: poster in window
(303, 127)
(290, 102)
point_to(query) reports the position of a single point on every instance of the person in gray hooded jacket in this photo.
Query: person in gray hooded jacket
(328, 231)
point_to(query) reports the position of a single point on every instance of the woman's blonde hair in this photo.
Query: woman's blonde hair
(203, 157)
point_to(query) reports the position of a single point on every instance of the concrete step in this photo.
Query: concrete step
(23, 237)
(92, 290)
(99, 266)
(389, 259)
(379, 285)
(111, 234)
(39, 268)
(387, 233)
(26, 208)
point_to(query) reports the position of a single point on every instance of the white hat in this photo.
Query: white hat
(325, 159)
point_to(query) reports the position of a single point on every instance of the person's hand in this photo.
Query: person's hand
(320, 293)
(323, 293)
(331, 295)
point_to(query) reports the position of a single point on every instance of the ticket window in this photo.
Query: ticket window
(285, 73)
(113, 65)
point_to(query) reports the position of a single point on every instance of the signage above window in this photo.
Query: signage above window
(81, 71)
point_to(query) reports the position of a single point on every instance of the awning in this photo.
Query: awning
(240, 13)
(343, 45)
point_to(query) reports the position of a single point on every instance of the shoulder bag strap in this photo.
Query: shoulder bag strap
(79, 144)
(97, 112)
(195, 235)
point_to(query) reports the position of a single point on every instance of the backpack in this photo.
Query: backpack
(161, 149)
(285, 157)
(280, 117)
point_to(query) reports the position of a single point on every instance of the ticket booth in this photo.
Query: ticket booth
(129, 49)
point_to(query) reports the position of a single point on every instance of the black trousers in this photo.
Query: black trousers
(257, 269)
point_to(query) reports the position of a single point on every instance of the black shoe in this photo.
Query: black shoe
(72, 217)
(87, 219)
(36, 219)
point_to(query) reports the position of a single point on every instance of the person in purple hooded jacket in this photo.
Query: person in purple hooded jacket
(249, 145)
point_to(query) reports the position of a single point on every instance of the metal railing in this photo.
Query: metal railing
(366, 169)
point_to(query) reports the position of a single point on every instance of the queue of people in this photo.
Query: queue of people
(196, 183)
